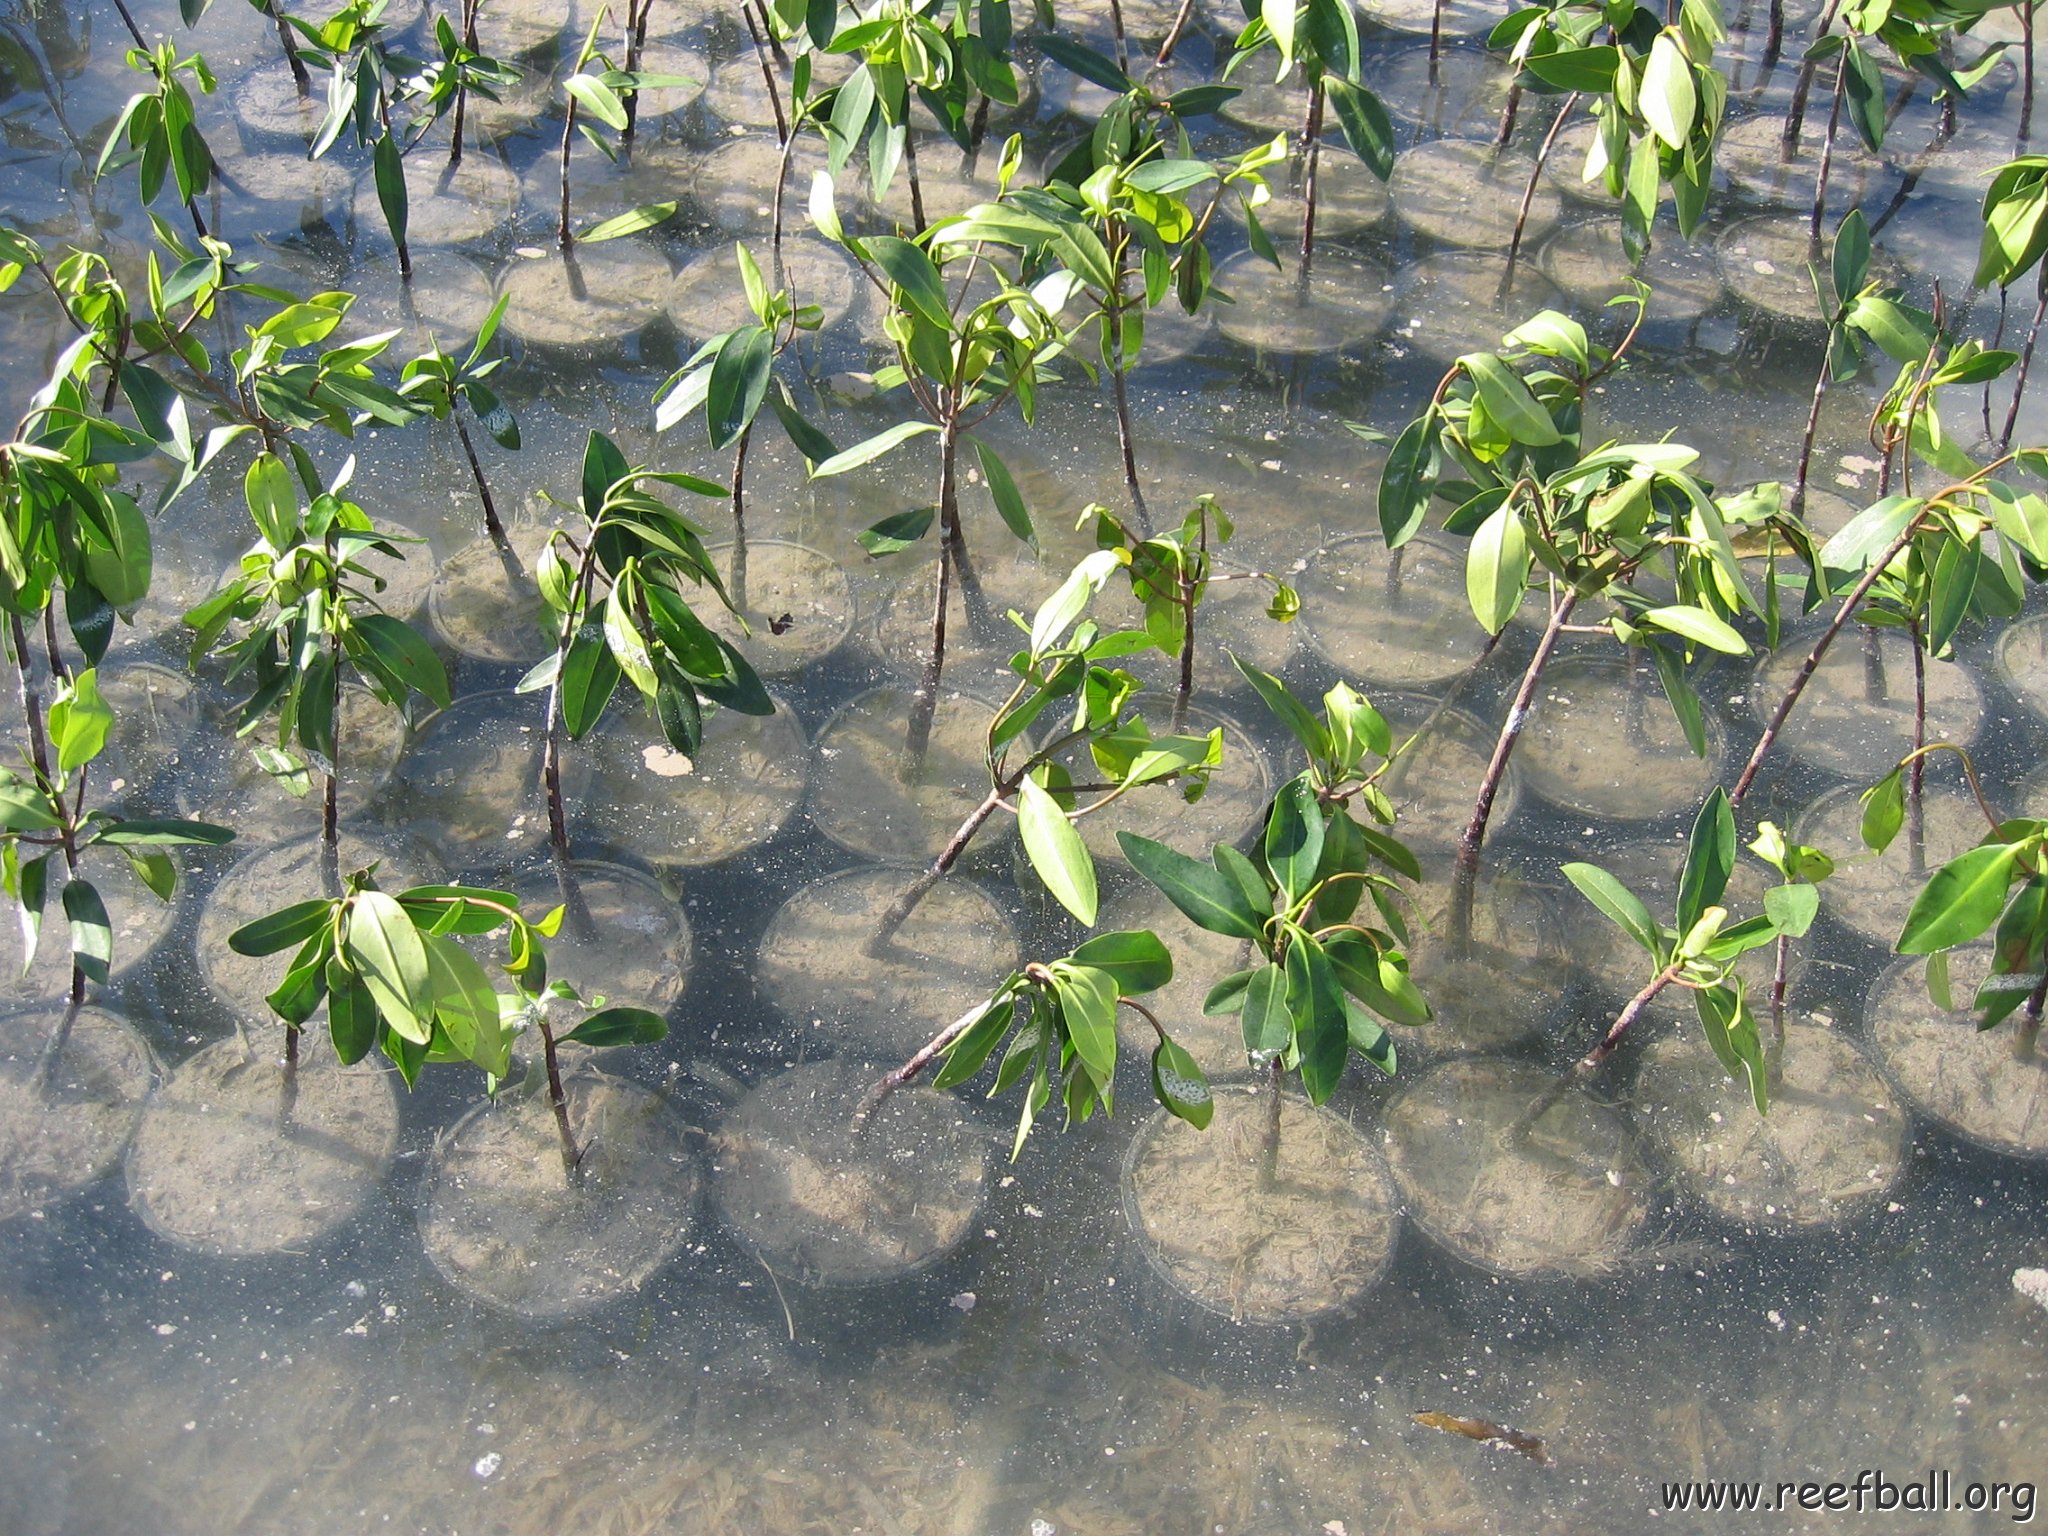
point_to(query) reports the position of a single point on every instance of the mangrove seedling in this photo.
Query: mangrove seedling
(1698, 953)
(603, 93)
(43, 816)
(1171, 573)
(616, 584)
(445, 388)
(1791, 907)
(961, 363)
(1064, 658)
(444, 85)
(1060, 1021)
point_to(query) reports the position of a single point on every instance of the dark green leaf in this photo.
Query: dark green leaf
(1179, 1084)
(92, 935)
(1961, 902)
(1709, 860)
(1204, 895)
(1268, 1026)
(1135, 960)
(283, 929)
(620, 1026)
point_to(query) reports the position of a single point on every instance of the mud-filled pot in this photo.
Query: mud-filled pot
(1278, 1212)
(623, 932)
(824, 966)
(470, 784)
(796, 603)
(1398, 618)
(235, 1156)
(1831, 1146)
(1855, 715)
(138, 922)
(874, 796)
(1602, 741)
(821, 1193)
(70, 1096)
(506, 1221)
(485, 604)
(1499, 983)
(1340, 303)
(673, 810)
(1505, 1171)
(1871, 893)
(1988, 1086)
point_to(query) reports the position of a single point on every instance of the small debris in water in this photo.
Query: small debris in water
(357, 1289)
(1042, 1527)
(529, 252)
(781, 626)
(487, 1464)
(165, 1330)
(1487, 1433)
(964, 1302)
(666, 762)
(2032, 1284)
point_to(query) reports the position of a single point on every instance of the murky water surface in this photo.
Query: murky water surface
(1644, 1278)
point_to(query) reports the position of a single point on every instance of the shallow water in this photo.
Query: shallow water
(1043, 1373)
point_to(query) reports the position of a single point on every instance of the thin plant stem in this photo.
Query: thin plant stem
(1795, 113)
(2019, 385)
(737, 577)
(1116, 27)
(492, 525)
(1509, 111)
(1269, 1146)
(925, 1055)
(558, 1100)
(2026, 70)
(1181, 18)
(768, 77)
(1466, 869)
(951, 547)
(1827, 151)
(563, 237)
(1119, 388)
(1535, 173)
(1312, 147)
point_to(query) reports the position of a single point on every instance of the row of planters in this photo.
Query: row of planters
(1329, 969)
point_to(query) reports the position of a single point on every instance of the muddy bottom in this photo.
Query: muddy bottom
(503, 1222)
(1312, 1242)
(71, 1130)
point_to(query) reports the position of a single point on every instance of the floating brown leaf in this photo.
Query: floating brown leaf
(1489, 1433)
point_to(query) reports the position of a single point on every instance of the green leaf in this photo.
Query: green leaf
(620, 1026)
(1008, 499)
(1850, 261)
(1320, 1018)
(896, 532)
(813, 444)
(1285, 707)
(23, 808)
(1088, 1005)
(1791, 908)
(143, 831)
(964, 1057)
(387, 952)
(1056, 850)
(1962, 901)
(590, 674)
(1268, 1026)
(1135, 960)
(1698, 626)
(739, 383)
(156, 872)
(1667, 98)
(1497, 568)
(911, 270)
(466, 1007)
(1863, 83)
(1508, 401)
(389, 174)
(1179, 1084)
(1709, 859)
(598, 99)
(1884, 811)
(871, 449)
(1204, 895)
(1365, 124)
(1294, 838)
(1732, 1033)
(1617, 901)
(351, 1013)
(631, 222)
(92, 935)
(1409, 480)
(402, 652)
(283, 929)
(79, 722)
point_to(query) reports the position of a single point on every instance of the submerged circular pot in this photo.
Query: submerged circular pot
(504, 1222)
(676, 811)
(71, 1130)
(1342, 303)
(1561, 1196)
(1231, 808)
(1438, 771)
(980, 639)
(157, 721)
(262, 811)
(1466, 192)
(1833, 1142)
(588, 297)
(2022, 660)
(446, 205)
(796, 601)
(707, 298)
(1602, 740)
(871, 797)
(489, 612)
(1587, 262)
(1306, 1244)
(470, 783)
(1989, 1086)
(1200, 960)
(817, 967)
(1453, 302)
(1400, 619)
(224, 1163)
(816, 1197)
(1872, 893)
(1855, 717)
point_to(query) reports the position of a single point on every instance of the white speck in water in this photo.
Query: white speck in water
(165, 1330)
(357, 1289)
(487, 1464)
(1763, 268)
(1777, 1318)
(487, 1428)
(964, 1302)
(1043, 1528)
